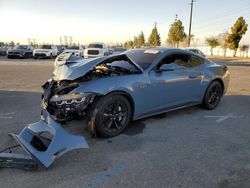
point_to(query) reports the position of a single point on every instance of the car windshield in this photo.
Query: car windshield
(73, 48)
(45, 47)
(95, 46)
(143, 58)
(21, 47)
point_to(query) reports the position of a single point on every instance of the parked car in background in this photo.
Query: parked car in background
(119, 50)
(111, 50)
(96, 50)
(76, 50)
(3, 50)
(45, 51)
(196, 51)
(60, 49)
(21, 51)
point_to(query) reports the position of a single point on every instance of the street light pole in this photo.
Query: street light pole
(190, 23)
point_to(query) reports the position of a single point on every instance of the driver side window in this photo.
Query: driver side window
(175, 59)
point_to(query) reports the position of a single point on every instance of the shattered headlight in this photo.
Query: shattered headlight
(69, 98)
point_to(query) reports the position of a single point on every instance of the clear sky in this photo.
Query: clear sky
(114, 20)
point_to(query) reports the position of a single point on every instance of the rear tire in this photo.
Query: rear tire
(111, 115)
(213, 95)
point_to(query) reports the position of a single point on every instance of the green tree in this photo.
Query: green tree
(11, 43)
(136, 42)
(141, 39)
(176, 33)
(154, 38)
(129, 44)
(125, 44)
(237, 31)
(212, 42)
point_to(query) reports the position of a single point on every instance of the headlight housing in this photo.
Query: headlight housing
(68, 98)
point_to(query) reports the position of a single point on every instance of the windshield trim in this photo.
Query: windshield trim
(138, 66)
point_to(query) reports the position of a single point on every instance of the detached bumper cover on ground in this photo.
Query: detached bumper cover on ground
(43, 150)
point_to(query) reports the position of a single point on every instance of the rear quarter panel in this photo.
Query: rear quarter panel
(215, 71)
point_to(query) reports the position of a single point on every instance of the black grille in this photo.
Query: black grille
(93, 52)
(40, 55)
(14, 53)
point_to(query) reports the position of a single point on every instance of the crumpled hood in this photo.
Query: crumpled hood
(67, 69)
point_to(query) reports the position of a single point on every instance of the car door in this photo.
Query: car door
(174, 82)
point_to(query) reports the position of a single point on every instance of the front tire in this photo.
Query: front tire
(111, 115)
(213, 95)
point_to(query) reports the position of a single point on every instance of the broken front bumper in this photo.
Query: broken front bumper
(45, 150)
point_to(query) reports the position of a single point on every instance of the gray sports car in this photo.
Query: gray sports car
(21, 51)
(112, 91)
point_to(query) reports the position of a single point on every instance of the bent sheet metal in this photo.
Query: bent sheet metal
(44, 150)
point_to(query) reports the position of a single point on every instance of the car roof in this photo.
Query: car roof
(162, 49)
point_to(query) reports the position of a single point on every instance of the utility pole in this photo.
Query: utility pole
(155, 23)
(190, 23)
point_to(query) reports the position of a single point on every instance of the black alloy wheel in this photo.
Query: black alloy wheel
(113, 115)
(213, 95)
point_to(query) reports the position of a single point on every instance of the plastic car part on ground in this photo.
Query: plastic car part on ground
(39, 148)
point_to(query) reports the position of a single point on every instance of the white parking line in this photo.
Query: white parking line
(225, 117)
(7, 115)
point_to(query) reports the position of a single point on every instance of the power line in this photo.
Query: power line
(224, 23)
(231, 16)
(228, 12)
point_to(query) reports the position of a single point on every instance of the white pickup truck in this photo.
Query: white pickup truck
(96, 50)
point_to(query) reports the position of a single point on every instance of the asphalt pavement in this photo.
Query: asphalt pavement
(192, 147)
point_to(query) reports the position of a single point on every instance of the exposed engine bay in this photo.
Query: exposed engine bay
(112, 67)
(60, 100)
(102, 71)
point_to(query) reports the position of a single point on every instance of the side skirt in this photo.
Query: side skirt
(166, 110)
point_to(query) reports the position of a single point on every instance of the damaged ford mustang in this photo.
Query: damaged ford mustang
(112, 91)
